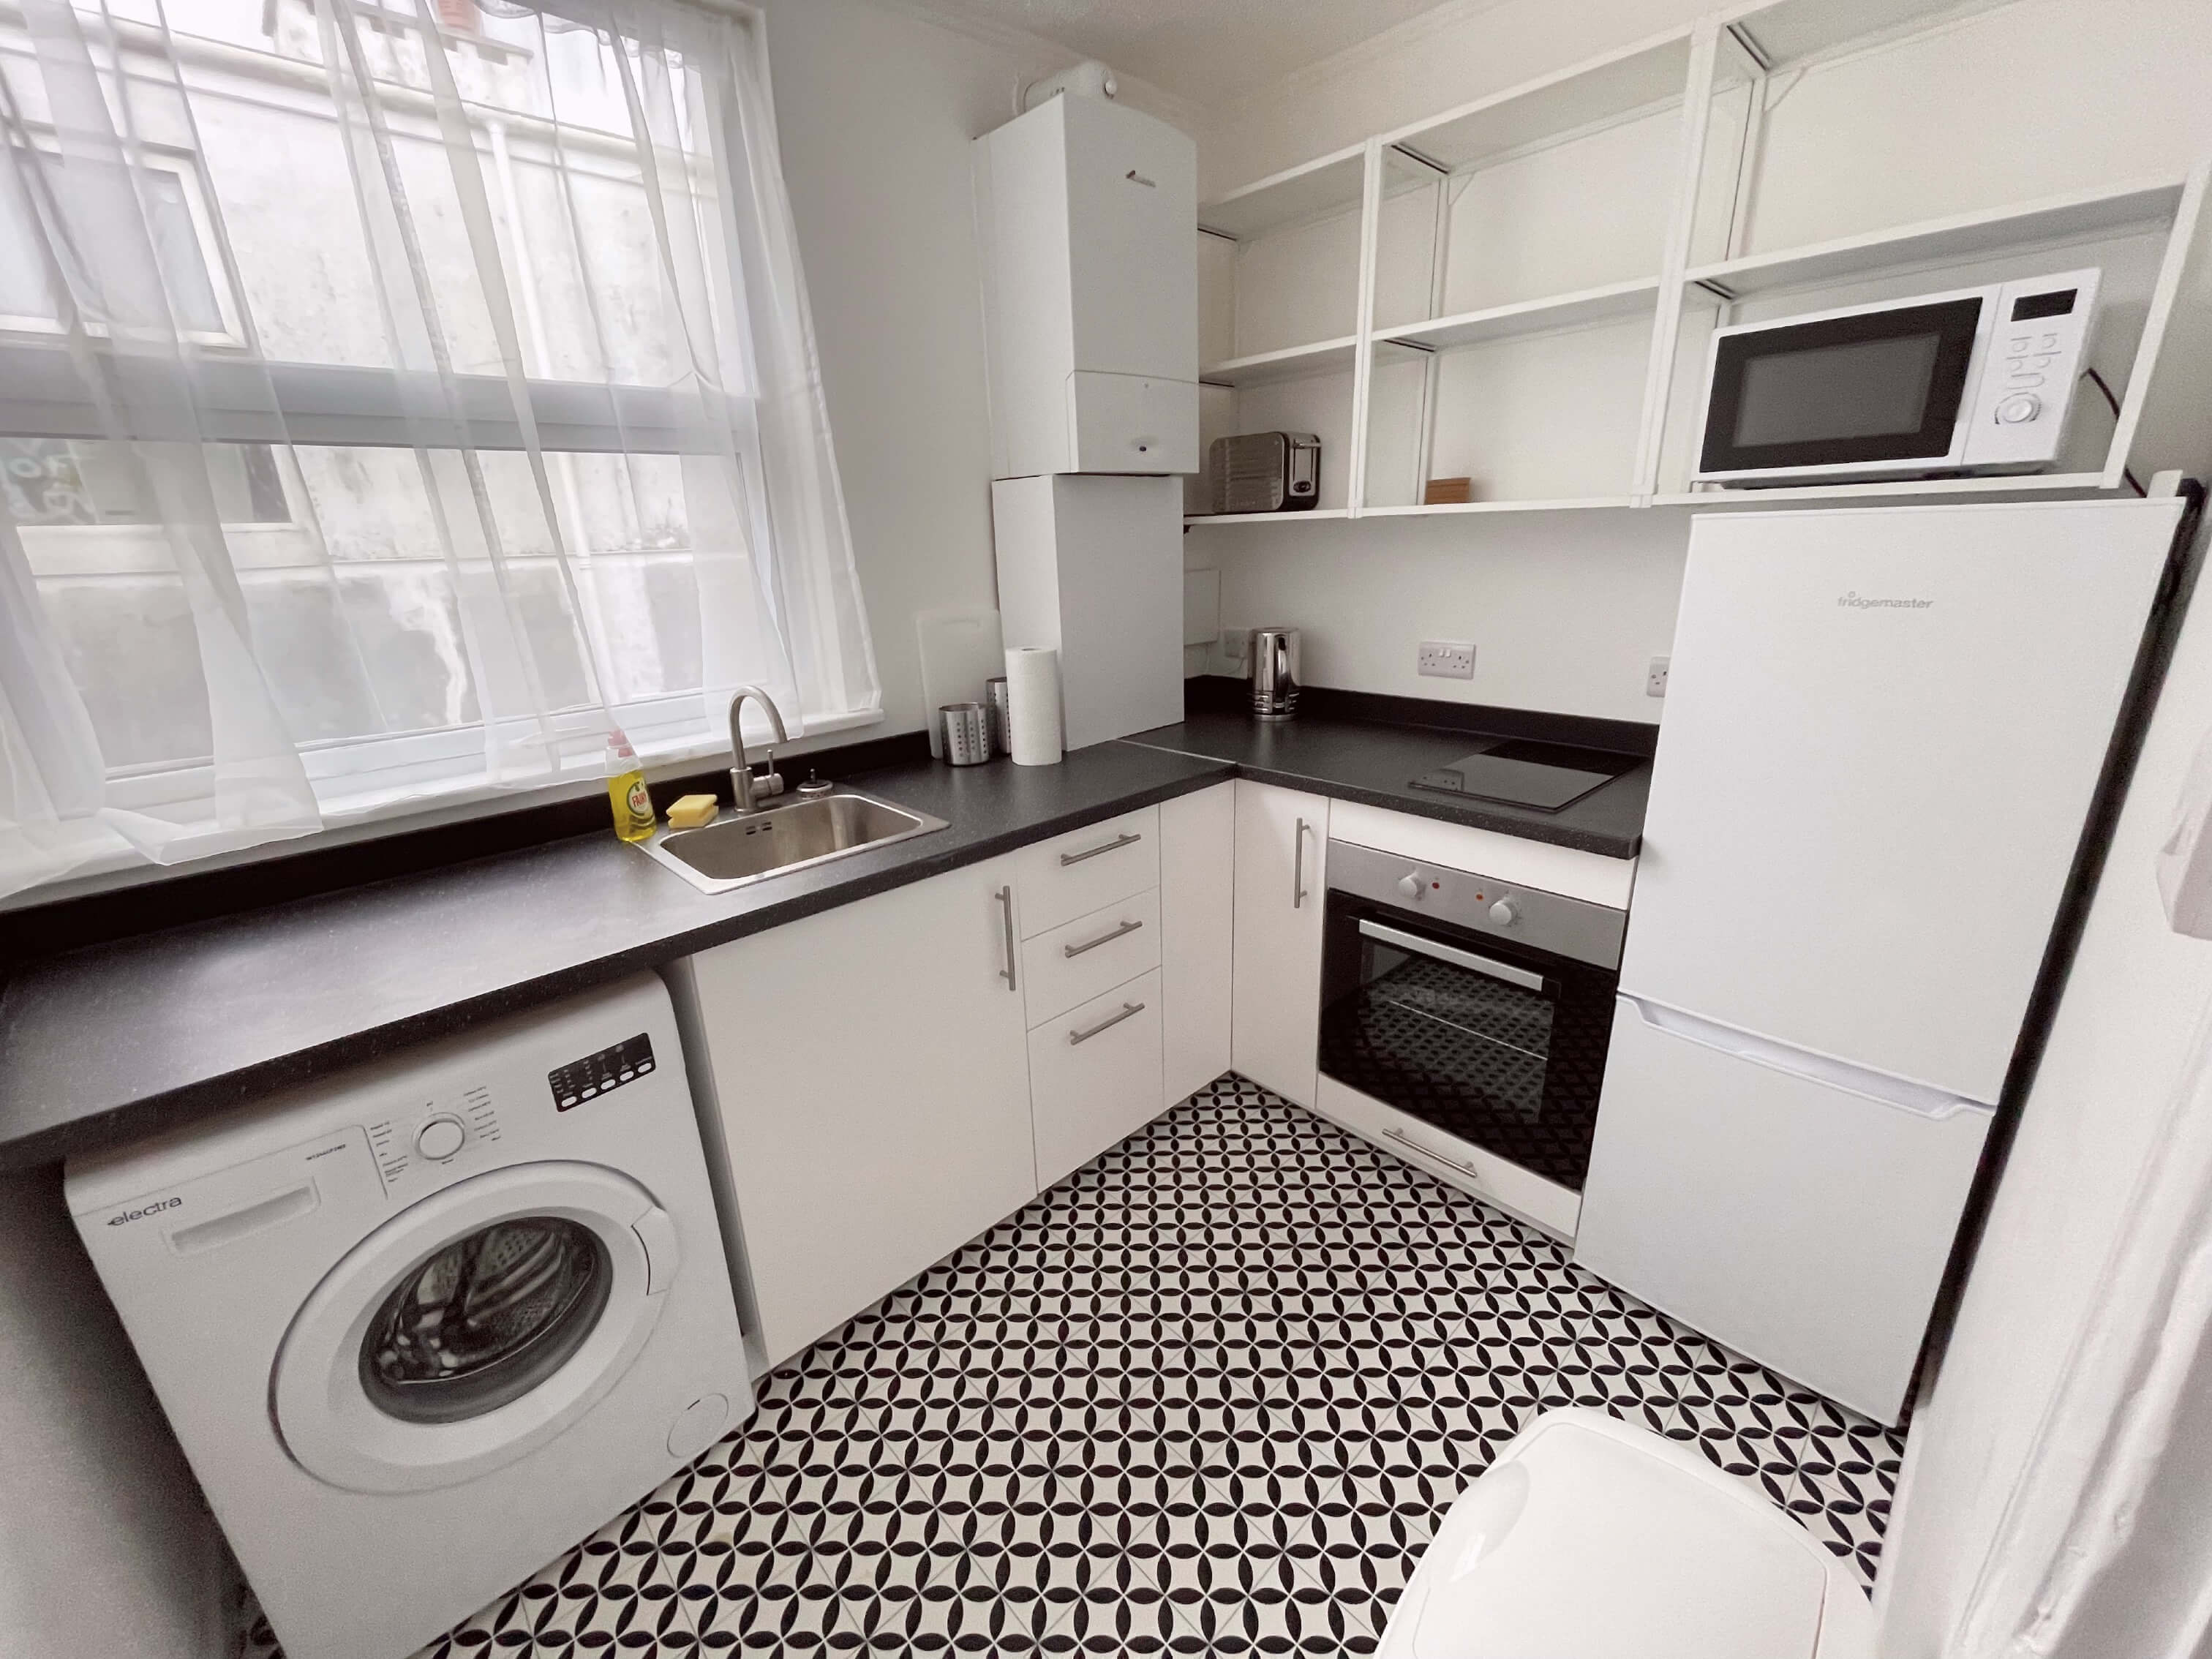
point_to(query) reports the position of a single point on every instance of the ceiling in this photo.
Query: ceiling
(1210, 51)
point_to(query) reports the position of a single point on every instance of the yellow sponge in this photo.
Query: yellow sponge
(693, 810)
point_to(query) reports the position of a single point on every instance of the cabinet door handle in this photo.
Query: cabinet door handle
(1129, 1010)
(1298, 866)
(1006, 973)
(1125, 928)
(1126, 838)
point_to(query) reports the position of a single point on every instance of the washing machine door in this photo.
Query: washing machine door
(472, 1327)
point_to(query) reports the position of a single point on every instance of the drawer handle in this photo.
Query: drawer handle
(1407, 1140)
(1125, 929)
(1126, 838)
(1128, 1010)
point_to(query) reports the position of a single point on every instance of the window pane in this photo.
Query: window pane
(132, 651)
(177, 251)
(70, 481)
(23, 288)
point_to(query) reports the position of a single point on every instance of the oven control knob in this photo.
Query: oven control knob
(441, 1137)
(1504, 912)
(1413, 884)
(2020, 409)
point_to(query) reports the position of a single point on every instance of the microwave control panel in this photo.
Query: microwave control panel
(2033, 353)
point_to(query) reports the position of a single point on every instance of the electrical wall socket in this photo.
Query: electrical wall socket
(1235, 643)
(1447, 659)
(1655, 677)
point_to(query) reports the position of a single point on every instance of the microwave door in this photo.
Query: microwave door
(1874, 391)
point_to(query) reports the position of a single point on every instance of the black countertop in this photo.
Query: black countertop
(119, 1040)
(107, 1044)
(1374, 763)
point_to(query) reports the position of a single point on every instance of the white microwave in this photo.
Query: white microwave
(1980, 379)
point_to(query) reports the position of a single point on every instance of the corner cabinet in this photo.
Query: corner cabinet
(1281, 885)
(871, 1072)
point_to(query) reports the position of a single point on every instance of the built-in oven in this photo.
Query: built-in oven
(1464, 1025)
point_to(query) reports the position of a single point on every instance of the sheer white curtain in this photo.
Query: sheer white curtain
(394, 399)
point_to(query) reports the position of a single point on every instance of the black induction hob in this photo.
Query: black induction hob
(1522, 772)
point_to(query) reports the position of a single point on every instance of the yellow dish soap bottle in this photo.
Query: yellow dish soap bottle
(626, 790)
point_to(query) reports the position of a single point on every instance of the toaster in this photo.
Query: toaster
(1263, 472)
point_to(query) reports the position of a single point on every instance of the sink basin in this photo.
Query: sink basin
(732, 852)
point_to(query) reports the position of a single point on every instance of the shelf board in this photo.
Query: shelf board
(2033, 483)
(1307, 191)
(1306, 516)
(2144, 205)
(1591, 305)
(1290, 363)
(1561, 504)
(1789, 32)
(1584, 97)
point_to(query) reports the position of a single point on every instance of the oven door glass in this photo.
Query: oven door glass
(1501, 1047)
(1881, 386)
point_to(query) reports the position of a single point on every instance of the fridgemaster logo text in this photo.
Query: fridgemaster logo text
(143, 1210)
(1859, 602)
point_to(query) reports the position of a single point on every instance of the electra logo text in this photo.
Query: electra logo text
(140, 1214)
(1857, 602)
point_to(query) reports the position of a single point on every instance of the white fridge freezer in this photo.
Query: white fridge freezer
(1883, 734)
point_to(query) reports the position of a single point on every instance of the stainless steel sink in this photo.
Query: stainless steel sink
(735, 851)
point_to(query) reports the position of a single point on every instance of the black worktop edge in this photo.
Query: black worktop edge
(155, 1112)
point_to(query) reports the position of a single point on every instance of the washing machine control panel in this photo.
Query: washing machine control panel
(587, 1079)
(412, 1146)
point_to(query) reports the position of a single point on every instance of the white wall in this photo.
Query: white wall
(105, 1547)
(875, 108)
(1566, 610)
(2120, 1046)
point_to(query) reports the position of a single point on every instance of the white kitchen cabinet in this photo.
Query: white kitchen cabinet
(869, 1066)
(1096, 1071)
(1282, 841)
(1198, 863)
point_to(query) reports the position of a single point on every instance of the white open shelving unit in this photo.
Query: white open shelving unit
(1522, 290)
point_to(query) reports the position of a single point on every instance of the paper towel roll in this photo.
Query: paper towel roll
(1033, 687)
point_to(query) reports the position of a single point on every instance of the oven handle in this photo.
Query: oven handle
(1458, 958)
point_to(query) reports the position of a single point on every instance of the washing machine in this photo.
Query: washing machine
(422, 1326)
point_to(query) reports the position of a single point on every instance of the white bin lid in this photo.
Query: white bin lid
(1591, 1539)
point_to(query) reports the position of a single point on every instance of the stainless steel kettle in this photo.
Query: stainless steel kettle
(1274, 674)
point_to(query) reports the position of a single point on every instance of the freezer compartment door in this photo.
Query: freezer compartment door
(1781, 1211)
(1883, 731)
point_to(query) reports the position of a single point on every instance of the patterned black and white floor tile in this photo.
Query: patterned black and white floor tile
(1208, 1395)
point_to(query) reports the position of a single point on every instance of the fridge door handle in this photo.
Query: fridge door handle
(1919, 1098)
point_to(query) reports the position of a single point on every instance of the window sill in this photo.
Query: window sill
(119, 868)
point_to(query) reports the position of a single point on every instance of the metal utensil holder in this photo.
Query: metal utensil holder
(966, 728)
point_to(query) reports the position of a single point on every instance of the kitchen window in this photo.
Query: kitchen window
(394, 399)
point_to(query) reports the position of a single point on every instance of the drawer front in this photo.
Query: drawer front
(1086, 870)
(1088, 957)
(1519, 1192)
(1092, 1084)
